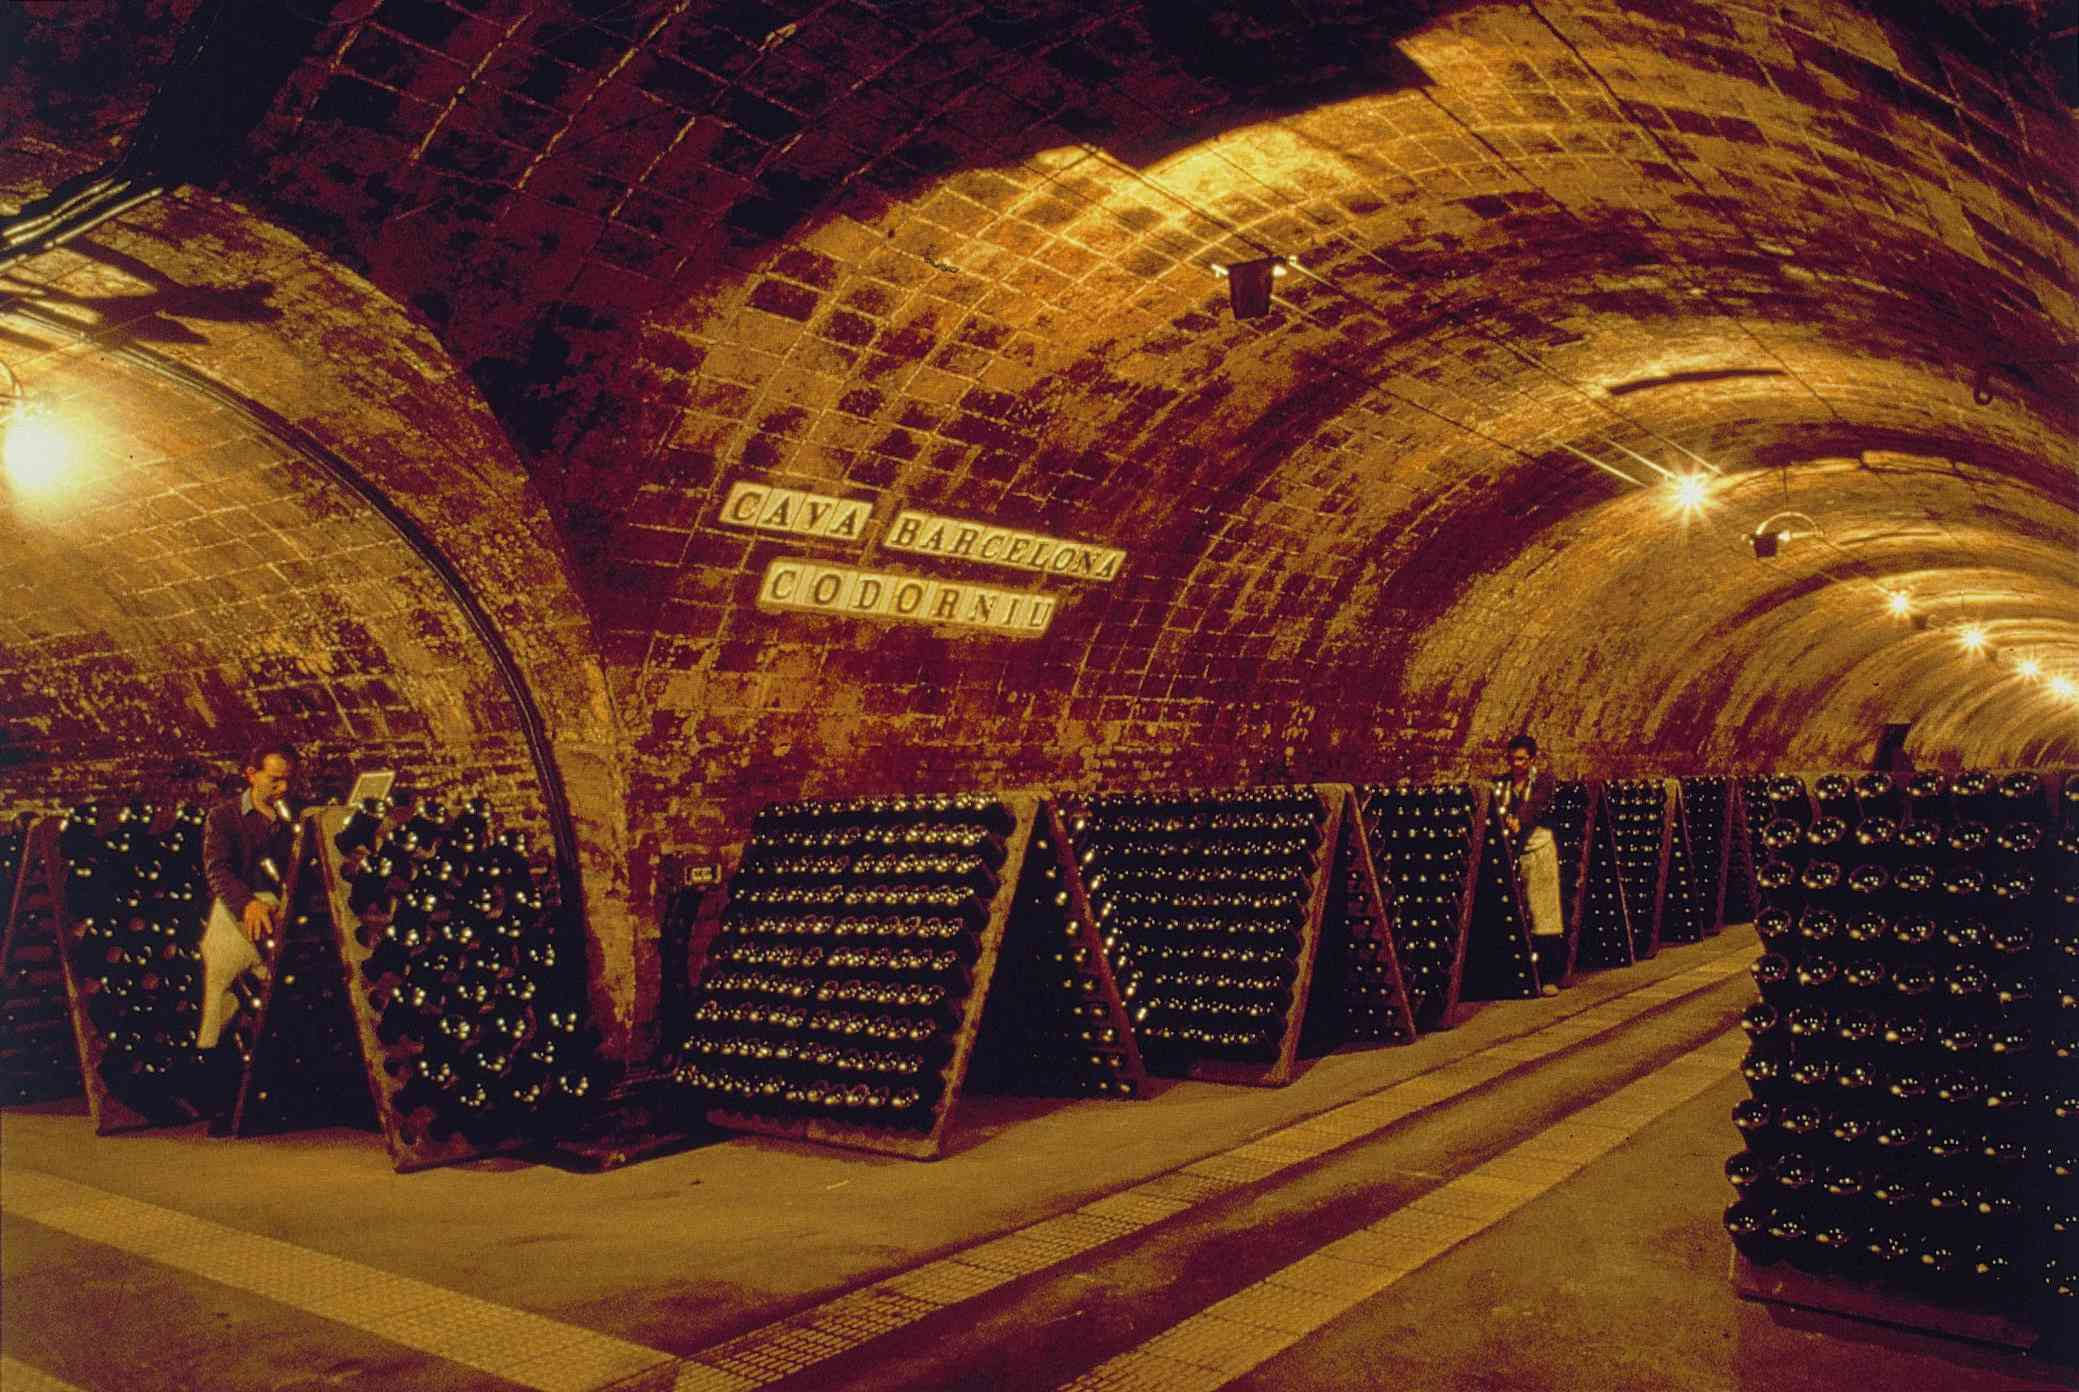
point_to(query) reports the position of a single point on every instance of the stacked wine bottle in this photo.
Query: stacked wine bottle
(135, 901)
(1637, 811)
(841, 973)
(1358, 995)
(1741, 900)
(1606, 932)
(1910, 1049)
(1498, 961)
(1204, 897)
(38, 1059)
(1421, 841)
(303, 1055)
(478, 1014)
(1705, 808)
(1055, 1025)
(1572, 801)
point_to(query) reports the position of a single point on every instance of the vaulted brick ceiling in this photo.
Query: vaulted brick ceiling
(960, 255)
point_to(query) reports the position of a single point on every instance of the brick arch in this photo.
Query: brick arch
(964, 263)
(318, 531)
(1721, 654)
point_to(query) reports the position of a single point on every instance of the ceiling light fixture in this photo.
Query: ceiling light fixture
(1972, 636)
(1249, 284)
(2063, 686)
(1899, 603)
(1692, 491)
(36, 451)
(1772, 534)
(2029, 667)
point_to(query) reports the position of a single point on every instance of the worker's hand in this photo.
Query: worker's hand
(259, 919)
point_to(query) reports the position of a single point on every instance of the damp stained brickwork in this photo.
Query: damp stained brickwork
(587, 266)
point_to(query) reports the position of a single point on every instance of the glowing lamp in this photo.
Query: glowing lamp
(37, 453)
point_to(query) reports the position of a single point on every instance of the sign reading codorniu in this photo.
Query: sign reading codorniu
(797, 583)
(930, 535)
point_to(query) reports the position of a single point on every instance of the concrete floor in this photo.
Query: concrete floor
(1146, 1233)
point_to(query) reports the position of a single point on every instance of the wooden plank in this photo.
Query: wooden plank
(1716, 862)
(410, 1141)
(1660, 879)
(1645, 879)
(928, 1144)
(1742, 894)
(41, 1054)
(1780, 1283)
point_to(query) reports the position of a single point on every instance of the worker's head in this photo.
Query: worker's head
(268, 769)
(1522, 750)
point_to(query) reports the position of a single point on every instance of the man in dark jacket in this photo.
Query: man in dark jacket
(1523, 795)
(246, 843)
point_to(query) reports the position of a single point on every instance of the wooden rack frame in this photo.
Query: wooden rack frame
(1574, 884)
(1028, 918)
(1355, 923)
(1721, 857)
(258, 1108)
(1286, 1066)
(1683, 875)
(1026, 811)
(1600, 866)
(31, 953)
(1741, 892)
(1442, 1012)
(1645, 944)
(1331, 804)
(411, 1144)
(112, 1115)
(1482, 957)
(1877, 1300)
(1779, 1283)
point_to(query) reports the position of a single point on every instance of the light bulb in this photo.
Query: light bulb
(1972, 636)
(38, 452)
(1692, 491)
(2063, 686)
(1900, 603)
(2029, 667)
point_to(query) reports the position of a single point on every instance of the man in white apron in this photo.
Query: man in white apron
(1523, 795)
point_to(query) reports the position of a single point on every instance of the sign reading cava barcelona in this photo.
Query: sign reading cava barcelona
(798, 583)
(929, 535)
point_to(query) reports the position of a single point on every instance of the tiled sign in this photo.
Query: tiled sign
(930, 535)
(798, 583)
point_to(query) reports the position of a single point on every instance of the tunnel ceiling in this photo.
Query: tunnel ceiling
(961, 256)
(195, 572)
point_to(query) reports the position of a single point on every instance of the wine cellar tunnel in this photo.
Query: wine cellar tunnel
(551, 283)
(430, 411)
